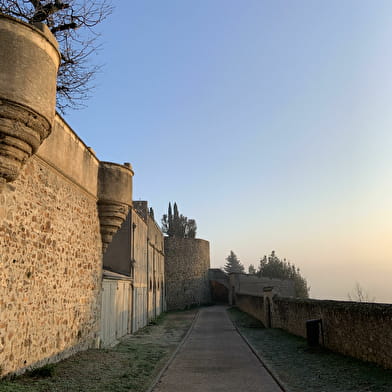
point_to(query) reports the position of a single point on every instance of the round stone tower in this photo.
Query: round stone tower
(187, 261)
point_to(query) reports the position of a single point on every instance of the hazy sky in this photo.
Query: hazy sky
(269, 122)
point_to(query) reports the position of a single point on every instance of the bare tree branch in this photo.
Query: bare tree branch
(72, 22)
(66, 26)
(359, 294)
(44, 12)
(36, 3)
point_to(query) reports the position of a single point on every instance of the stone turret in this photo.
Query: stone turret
(28, 71)
(114, 198)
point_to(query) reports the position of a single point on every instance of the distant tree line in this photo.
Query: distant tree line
(271, 267)
(178, 225)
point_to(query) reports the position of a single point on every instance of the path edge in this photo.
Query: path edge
(267, 367)
(171, 359)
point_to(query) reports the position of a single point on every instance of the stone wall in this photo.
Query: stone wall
(118, 255)
(140, 271)
(360, 330)
(253, 305)
(219, 285)
(253, 285)
(154, 279)
(136, 251)
(156, 269)
(139, 249)
(50, 255)
(186, 272)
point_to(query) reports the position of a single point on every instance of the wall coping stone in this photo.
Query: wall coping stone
(66, 153)
(38, 27)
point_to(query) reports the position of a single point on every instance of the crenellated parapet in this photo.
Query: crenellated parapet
(114, 198)
(28, 71)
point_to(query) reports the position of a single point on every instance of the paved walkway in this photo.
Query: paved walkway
(215, 358)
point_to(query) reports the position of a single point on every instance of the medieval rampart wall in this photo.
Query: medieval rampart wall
(360, 330)
(135, 252)
(50, 255)
(139, 250)
(253, 305)
(254, 285)
(156, 268)
(186, 270)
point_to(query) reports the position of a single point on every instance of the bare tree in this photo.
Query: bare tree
(72, 22)
(359, 294)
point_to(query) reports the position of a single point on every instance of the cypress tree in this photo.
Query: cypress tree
(170, 230)
(233, 264)
(175, 224)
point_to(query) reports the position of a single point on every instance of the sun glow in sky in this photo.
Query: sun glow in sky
(269, 122)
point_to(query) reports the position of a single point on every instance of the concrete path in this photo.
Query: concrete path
(215, 358)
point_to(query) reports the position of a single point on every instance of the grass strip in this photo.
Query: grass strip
(305, 369)
(130, 366)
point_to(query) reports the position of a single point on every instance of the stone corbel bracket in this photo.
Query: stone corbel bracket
(114, 198)
(29, 60)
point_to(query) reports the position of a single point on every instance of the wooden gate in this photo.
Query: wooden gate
(116, 310)
(140, 308)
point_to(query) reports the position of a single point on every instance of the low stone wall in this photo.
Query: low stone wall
(187, 262)
(251, 304)
(360, 330)
(254, 285)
